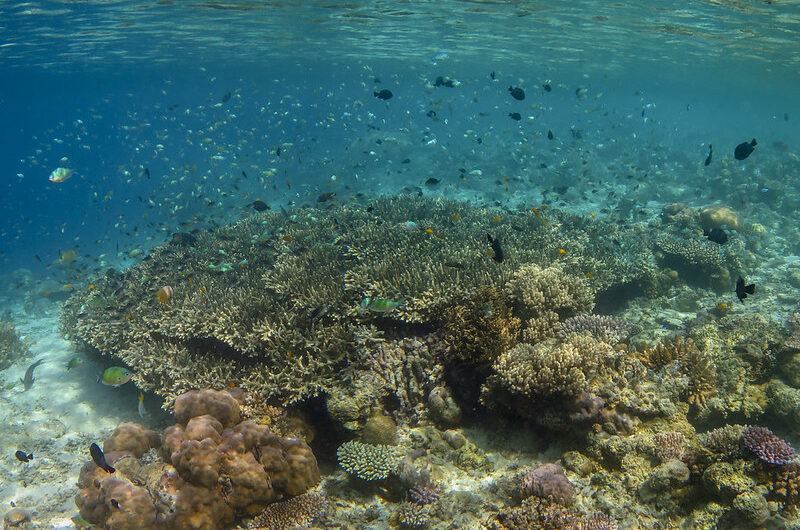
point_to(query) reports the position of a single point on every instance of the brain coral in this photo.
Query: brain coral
(208, 476)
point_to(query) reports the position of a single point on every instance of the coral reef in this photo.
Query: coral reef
(367, 462)
(720, 216)
(205, 477)
(12, 347)
(272, 303)
(297, 512)
(550, 368)
(604, 328)
(768, 447)
(669, 445)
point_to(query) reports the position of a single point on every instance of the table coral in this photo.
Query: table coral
(209, 474)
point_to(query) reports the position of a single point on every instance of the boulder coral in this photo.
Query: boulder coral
(209, 469)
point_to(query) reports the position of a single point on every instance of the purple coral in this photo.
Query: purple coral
(547, 481)
(427, 493)
(768, 447)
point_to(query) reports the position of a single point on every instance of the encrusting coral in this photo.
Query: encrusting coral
(212, 469)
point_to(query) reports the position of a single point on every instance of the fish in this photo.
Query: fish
(547, 87)
(60, 174)
(99, 458)
(24, 457)
(516, 93)
(708, 158)
(744, 149)
(431, 182)
(717, 235)
(515, 116)
(379, 305)
(67, 257)
(226, 97)
(549, 134)
(115, 503)
(164, 294)
(444, 81)
(147, 172)
(496, 248)
(325, 197)
(493, 76)
(115, 376)
(28, 380)
(75, 362)
(142, 411)
(258, 205)
(441, 56)
(383, 94)
(743, 290)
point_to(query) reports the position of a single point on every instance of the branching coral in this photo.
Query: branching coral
(668, 351)
(605, 328)
(551, 368)
(768, 447)
(367, 462)
(272, 302)
(669, 445)
(480, 329)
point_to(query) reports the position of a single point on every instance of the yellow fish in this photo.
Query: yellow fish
(60, 174)
(164, 294)
(67, 257)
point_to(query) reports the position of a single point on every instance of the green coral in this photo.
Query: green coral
(365, 461)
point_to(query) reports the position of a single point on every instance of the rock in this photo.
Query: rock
(16, 517)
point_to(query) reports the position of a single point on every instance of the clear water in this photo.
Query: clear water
(176, 115)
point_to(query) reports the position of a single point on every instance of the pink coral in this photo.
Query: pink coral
(549, 482)
(767, 446)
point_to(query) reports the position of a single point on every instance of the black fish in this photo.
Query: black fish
(547, 87)
(549, 134)
(516, 93)
(744, 149)
(99, 458)
(325, 197)
(115, 503)
(717, 235)
(226, 97)
(383, 94)
(514, 116)
(432, 182)
(28, 380)
(498, 250)
(710, 150)
(492, 75)
(258, 205)
(37, 258)
(743, 290)
(147, 172)
(431, 114)
(22, 456)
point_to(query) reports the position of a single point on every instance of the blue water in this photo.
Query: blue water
(119, 87)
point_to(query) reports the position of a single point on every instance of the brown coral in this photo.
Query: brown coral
(668, 351)
(209, 475)
(482, 328)
(133, 438)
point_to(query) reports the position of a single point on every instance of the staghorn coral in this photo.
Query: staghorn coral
(208, 475)
(297, 512)
(668, 351)
(605, 328)
(551, 368)
(669, 445)
(367, 462)
(482, 328)
(768, 447)
(272, 299)
(11, 346)
(702, 378)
